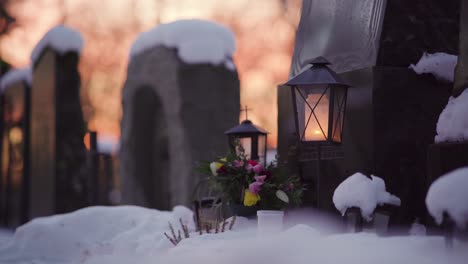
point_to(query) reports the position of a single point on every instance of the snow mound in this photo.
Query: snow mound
(453, 121)
(440, 64)
(61, 39)
(94, 230)
(14, 76)
(107, 145)
(5, 236)
(448, 194)
(130, 234)
(196, 41)
(360, 191)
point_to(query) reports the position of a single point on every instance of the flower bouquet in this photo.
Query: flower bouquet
(242, 181)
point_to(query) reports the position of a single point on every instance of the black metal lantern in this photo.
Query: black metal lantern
(319, 98)
(252, 138)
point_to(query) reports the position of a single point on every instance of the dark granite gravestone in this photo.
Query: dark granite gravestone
(57, 150)
(174, 115)
(14, 180)
(444, 157)
(391, 112)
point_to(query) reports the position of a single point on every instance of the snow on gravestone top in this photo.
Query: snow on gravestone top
(14, 76)
(439, 64)
(61, 39)
(453, 122)
(362, 192)
(448, 194)
(196, 41)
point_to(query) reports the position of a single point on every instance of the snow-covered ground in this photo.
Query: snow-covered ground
(5, 236)
(130, 234)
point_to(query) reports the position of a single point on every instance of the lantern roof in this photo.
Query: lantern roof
(317, 73)
(246, 127)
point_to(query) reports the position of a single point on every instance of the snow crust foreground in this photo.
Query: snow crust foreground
(362, 192)
(61, 39)
(441, 65)
(452, 125)
(196, 41)
(15, 76)
(448, 194)
(114, 235)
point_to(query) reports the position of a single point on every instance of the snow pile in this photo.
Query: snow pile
(417, 229)
(5, 236)
(448, 194)
(196, 41)
(94, 230)
(61, 39)
(360, 191)
(302, 244)
(14, 76)
(453, 121)
(107, 145)
(118, 235)
(440, 64)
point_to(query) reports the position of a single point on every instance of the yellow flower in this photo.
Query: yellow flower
(214, 166)
(250, 198)
(223, 159)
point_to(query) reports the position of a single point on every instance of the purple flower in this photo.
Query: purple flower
(249, 168)
(258, 169)
(238, 163)
(260, 179)
(255, 187)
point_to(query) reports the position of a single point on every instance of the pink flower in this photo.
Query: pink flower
(258, 169)
(255, 187)
(260, 179)
(252, 162)
(238, 163)
(249, 167)
(221, 170)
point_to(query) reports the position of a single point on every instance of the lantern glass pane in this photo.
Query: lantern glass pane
(313, 108)
(338, 113)
(261, 148)
(246, 143)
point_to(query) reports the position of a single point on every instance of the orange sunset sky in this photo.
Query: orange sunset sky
(264, 32)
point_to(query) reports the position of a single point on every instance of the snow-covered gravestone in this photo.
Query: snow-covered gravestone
(57, 151)
(14, 132)
(450, 150)
(448, 197)
(181, 94)
(364, 194)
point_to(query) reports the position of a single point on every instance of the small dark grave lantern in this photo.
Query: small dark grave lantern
(253, 139)
(319, 99)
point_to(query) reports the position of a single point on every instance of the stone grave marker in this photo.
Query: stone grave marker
(391, 111)
(177, 103)
(57, 150)
(14, 187)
